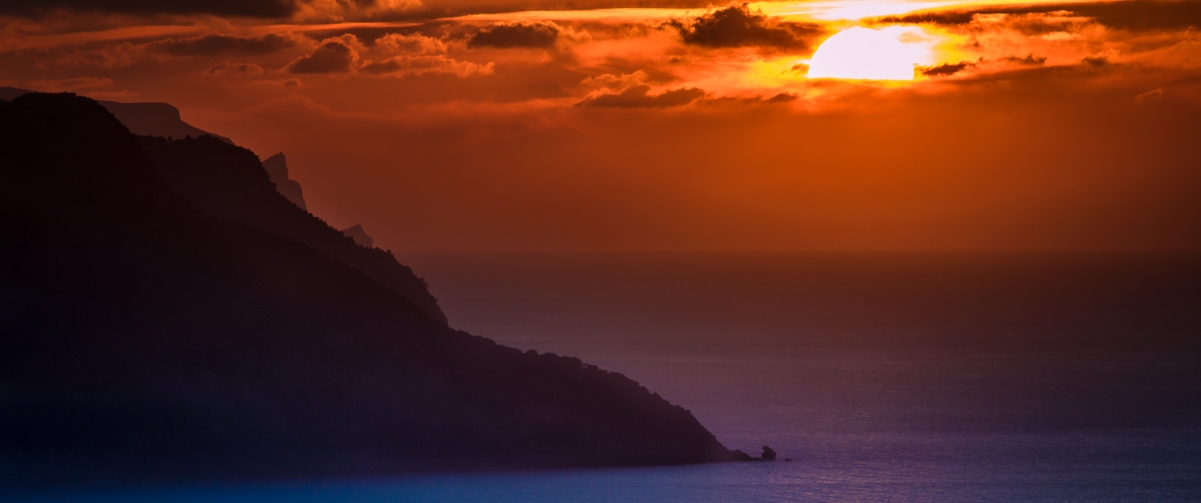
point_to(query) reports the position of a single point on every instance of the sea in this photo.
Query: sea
(1034, 376)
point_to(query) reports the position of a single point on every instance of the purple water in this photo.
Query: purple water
(940, 377)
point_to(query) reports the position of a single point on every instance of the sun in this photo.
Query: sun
(865, 54)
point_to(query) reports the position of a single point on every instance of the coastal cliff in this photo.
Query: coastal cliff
(158, 323)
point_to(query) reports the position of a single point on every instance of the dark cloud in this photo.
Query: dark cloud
(640, 97)
(516, 35)
(246, 8)
(1021, 21)
(738, 26)
(228, 68)
(219, 44)
(945, 70)
(1029, 60)
(332, 56)
(757, 100)
(946, 18)
(1125, 15)
(1095, 61)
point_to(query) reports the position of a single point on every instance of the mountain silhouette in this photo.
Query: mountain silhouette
(230, 183)
(226, 184)
(154, 119)
(277, 169)
(150, 330)
(162, 119)
(359, 235)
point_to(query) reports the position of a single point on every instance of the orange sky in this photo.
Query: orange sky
(503, 124)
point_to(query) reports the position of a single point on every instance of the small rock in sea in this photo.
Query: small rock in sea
(787, 460)
(768, 453)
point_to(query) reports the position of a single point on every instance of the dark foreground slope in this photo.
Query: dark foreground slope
(230, 183)
(142, 337)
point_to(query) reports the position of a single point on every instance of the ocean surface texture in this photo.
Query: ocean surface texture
(925, 377)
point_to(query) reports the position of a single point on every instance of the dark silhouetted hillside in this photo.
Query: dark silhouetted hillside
(144, 337)
(227, 185)
(277, 169)
(230, 183)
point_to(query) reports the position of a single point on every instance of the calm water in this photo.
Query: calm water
(885, 377)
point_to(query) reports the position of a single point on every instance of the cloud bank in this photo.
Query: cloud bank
(520, 34)
(738, 26)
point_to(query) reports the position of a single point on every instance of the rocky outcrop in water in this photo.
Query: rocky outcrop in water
(768, 454)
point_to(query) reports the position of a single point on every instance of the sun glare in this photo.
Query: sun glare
(865, 54)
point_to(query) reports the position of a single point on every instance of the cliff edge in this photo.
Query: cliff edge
(145, 336)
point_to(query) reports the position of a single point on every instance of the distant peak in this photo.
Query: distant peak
(277, 168)
(359, 236)
(142, 118)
